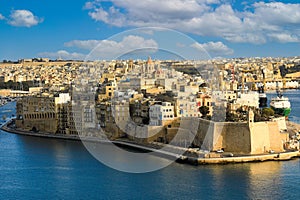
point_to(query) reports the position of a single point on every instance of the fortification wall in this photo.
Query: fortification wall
(260, 137)
(240, 138)
(236, 137)
(48, 125)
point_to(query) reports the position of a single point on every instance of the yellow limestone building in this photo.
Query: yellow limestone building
(242, 137)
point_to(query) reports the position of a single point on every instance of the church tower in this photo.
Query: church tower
(130, 65)
(149, 66)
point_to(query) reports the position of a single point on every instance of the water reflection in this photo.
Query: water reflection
(264, 180)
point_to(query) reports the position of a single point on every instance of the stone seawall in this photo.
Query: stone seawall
(254, 158)
(238, 137)
(187, 158)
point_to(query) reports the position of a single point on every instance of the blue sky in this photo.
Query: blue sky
(224, 28)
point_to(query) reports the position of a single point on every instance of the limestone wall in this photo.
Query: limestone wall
(48, 125)
(277, 139)
(236, 137)
(204, 136)
(260, 137)
(240, 138)
(232, 137)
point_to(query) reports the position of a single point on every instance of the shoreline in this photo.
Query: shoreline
(128, 144)
(185, 159)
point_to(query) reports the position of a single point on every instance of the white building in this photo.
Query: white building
(188, 107)
(161, 114)
(187, 89)
(249, 99)
(225, 95)
(271, 85)
(63, 98)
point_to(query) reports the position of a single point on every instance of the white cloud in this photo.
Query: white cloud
(214, 48)
(1, 17)
(277, 13)
(83, 44)
(62, 54)
(256, 23)
(103, 49)
(213, 1)
(23, 18)
(284, 37)
(110, 49)
(141, 13)
(88, 5)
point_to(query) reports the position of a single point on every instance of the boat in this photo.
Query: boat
(280, 104)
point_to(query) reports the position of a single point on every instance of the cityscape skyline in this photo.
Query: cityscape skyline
(224, 28)
(150, 99)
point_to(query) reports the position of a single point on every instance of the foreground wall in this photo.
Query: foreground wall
(240, 138)
(44, 125)
(232, 137)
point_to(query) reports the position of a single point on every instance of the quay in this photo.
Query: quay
(124, 143)
(284, 156)
(187, 158)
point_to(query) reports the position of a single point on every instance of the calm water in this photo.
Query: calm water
(37, 168)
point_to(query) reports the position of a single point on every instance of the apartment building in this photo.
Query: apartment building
(161, 114)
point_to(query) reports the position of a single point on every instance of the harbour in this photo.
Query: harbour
(72, 173)
(181, 99)
(189, 157)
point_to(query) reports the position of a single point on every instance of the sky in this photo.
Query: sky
(222, 28)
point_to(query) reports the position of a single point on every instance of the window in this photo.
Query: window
(182, 89)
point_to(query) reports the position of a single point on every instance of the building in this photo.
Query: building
(37, 114)
(249, 99)
(225, 95)
(61, 109)
(160, 115)
(188, 106)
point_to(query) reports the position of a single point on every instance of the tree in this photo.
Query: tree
(258, 116)
(204, 110)
(268, 112)
(231, 117)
